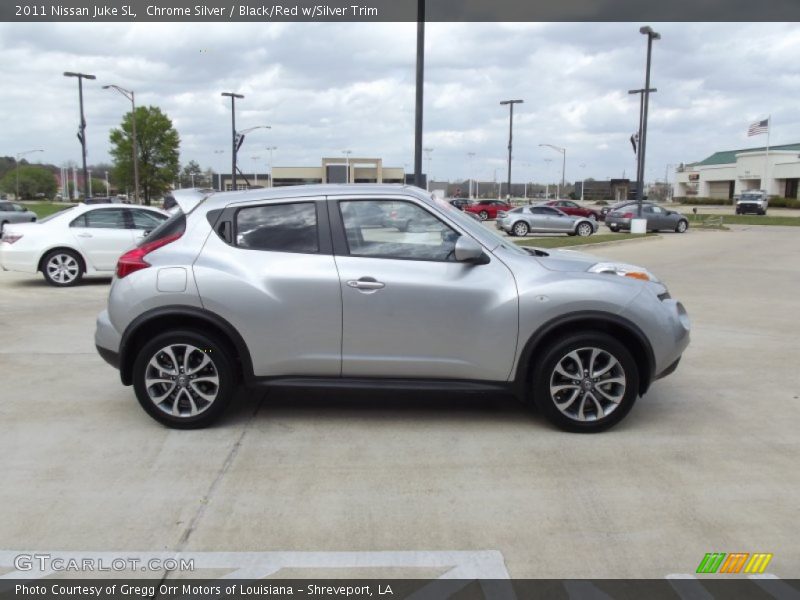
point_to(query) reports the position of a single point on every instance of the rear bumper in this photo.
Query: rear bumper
(14, 259)
(107, 339)
(107, 355)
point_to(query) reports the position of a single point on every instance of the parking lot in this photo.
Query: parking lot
(365, 484)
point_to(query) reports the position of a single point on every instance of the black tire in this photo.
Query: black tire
(3, 226)
(184, 392)
(523, 228)
(71, 273)
(483, 215)
(613, 228)
(584, 229)
(682, 226)
(582, 343)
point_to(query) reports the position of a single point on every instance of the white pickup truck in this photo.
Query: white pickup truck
(754, 201)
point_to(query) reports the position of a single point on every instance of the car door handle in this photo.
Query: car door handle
(366, 284)
(85, 235)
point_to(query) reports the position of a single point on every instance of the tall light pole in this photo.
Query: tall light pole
(563, 152)
(82, 126)
(271, 148)
(471, 156)
(583, 178)
(108, 187)
(255, 159)
(90, 183)
(511, 104)
(666, 182)
(16, 168)
(347, 154)
(234, 140)
(428, 170)
(651, 35)
(547, 182)
(419, 93)
(129, 94)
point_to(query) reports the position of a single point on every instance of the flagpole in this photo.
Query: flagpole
(766, 157)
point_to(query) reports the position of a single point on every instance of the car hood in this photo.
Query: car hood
(564, 260)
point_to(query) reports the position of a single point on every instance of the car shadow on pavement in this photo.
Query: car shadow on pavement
(39, 282)
(263, 404)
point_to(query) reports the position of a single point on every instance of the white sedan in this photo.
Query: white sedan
(85, 240)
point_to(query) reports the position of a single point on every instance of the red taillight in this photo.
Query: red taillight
(627, 215)
(133, 260)
(10, 238)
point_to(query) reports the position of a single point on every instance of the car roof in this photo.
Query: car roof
(220, 199)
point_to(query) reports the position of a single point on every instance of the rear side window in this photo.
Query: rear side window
(278, 228)
(104, 218)
(144, 219)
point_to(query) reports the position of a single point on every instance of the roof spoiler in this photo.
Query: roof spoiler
(187, 199)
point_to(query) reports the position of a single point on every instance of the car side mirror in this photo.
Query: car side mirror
(469, 251)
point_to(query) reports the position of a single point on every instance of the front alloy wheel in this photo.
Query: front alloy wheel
(682, 226)
(584, 230)
(183, 379)
(586, 382)
(483, 215)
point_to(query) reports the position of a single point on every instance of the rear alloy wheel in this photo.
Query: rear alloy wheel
(584, 229)
(483, 215)
(586, 382)
(521, 228)
(62, 268)
(184, 379)
(682, 226)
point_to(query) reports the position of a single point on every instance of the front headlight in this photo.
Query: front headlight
(623, 270)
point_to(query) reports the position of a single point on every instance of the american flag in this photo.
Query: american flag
(758, 127)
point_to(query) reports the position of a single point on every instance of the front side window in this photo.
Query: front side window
(406, 231)
(278, 228)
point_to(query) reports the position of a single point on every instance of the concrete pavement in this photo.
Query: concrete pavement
(707, 461)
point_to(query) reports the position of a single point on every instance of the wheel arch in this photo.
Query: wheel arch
(618, 327)
(48, 251)
(159, 320)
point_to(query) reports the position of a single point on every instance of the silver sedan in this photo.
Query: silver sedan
(14, 213)
(543, 219)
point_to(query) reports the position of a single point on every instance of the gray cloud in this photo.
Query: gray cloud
(328, 87)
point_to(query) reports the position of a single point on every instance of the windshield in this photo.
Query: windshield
(484, 234)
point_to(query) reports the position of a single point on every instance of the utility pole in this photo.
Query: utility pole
(234, 140)
(511, 104)
(82, 127)
(419, 94)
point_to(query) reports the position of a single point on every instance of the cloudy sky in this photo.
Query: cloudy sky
(324, 88)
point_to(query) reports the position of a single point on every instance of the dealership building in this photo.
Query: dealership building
(731, 172)
(331, 170)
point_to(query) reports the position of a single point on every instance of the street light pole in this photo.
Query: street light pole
(82, 127)
(471, 156)
(233, 97)
(130, 95)
(511, 104)
(651, 35)
(347, 154)
(16, 168)
(583, 179)
(419, 93)
(271, 148)
(563, 152)
(428, 170)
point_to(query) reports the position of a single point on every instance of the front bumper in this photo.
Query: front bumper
(750, 208)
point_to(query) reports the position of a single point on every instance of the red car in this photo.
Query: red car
(574, 209)
(487, 209)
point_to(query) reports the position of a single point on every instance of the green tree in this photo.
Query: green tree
(157, 143)
(191, 173)
(32, 181)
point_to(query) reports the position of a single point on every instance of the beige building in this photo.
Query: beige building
(331, 170)
(730, 172)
